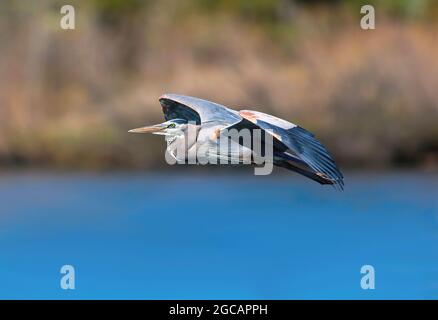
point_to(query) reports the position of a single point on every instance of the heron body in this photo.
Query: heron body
(199, 126)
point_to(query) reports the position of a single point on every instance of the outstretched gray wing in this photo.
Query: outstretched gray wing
(299, 141)
(197, 110)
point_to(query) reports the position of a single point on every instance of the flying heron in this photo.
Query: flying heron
(294, 148)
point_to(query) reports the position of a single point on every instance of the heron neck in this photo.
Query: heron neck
(171, 137)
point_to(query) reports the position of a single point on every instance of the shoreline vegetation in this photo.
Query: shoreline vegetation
(68, 98)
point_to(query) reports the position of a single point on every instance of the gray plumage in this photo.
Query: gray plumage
(294, 148)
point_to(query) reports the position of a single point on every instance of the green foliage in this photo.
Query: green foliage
(120, 6)
(113, 11)
(396, 8)
(261, 10)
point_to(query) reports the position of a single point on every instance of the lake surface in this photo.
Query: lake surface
(216, 236)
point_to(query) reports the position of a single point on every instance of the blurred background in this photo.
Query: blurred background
(77, 189)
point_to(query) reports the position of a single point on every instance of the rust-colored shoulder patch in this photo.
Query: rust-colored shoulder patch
(253, 117)
(216, 134)
(248, 115)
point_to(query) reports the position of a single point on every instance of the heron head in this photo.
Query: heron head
(172, 127)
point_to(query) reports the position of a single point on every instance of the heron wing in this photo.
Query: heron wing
(299, 141)
(197, 110)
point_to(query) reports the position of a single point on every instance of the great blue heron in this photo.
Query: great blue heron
(294, 148)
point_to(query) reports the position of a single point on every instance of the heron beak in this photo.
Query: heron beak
(148, 129)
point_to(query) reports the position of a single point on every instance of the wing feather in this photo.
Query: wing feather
(300, 142)
(197, 110)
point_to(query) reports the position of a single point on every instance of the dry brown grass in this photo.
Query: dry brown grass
(68, 98)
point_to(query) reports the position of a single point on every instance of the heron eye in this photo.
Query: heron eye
(172, 125)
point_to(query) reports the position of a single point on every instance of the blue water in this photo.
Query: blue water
(215, 236)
